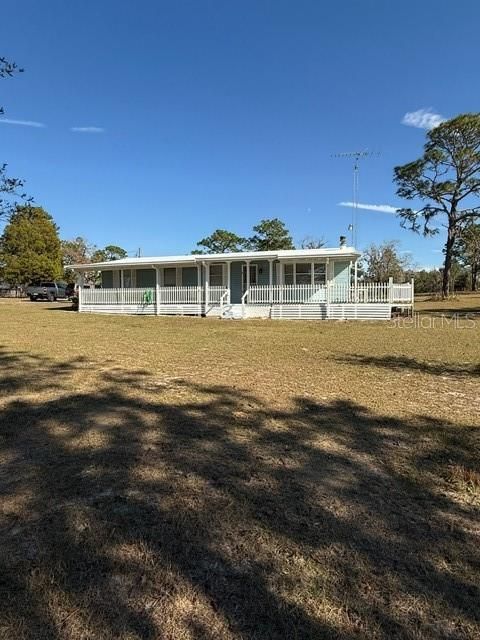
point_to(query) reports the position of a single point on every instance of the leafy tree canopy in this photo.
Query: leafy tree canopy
(270, 235)
(446, 178)
(221, 241)
(30, 247)
(110, 252)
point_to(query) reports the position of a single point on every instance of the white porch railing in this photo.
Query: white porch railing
(180, 295)
(215, 294)
(331, 293)
(286, 294)
(148, 295)
(137, 296)
(368, 292)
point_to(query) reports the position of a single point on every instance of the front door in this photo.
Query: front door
(253, 276)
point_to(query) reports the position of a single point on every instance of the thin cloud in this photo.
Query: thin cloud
(422, 119)
(23, 123)
(381, 208)
(87, 129)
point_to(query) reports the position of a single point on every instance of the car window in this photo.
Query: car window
(48, 284)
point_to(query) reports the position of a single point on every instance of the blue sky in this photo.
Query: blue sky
(218, 114)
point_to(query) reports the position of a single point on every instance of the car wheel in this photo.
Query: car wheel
(51, 297)
(32, 298)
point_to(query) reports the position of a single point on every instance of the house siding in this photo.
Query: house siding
(341, 271)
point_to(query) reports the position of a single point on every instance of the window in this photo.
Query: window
(303, 273)
(216, 275)
(288, 274)
(169, 277)
(319, 273)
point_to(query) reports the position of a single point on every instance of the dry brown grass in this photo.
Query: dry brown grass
(186, 478)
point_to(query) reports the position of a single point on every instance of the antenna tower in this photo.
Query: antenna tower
(356, 156)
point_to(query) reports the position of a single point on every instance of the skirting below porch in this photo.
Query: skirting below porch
(321, 311)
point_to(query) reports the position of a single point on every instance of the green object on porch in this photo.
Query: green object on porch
(148, 297)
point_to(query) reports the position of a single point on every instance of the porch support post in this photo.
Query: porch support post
(355, 281)
(122, 288)
(157, 291)
(229, 264)
(349, 284)
(328, 283)
(248, 279)
(80, 282)
(281, 274)
(270, 280)
(207, 283)
(199, 283)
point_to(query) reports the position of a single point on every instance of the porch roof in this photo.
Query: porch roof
(348, 253)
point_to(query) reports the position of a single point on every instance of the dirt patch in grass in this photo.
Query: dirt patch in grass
(187, 478)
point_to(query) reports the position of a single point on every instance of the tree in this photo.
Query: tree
(11, 189)
(270, 235)
(110, 252)
(76, 251)
(447, 179)
(309, 242)
(221, 241)
(428, 281)
(467, 251)
(383, 262)
(30, 247)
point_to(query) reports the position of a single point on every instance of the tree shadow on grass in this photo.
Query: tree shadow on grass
(464, 313)
(405, 363)
(181, 510)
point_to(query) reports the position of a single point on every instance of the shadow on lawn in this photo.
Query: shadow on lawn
(403, 362)
(167, 509)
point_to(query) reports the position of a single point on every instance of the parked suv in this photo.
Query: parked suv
(47, 290)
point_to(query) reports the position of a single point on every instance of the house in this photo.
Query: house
(300, 283)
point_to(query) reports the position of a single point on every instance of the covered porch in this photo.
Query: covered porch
(289, 284)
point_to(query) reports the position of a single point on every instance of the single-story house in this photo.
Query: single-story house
(300, 283)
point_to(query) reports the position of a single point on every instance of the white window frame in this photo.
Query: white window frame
(312, 264)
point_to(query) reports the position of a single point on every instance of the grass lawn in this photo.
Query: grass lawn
(186, 478)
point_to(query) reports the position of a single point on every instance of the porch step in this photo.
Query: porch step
(232, 312)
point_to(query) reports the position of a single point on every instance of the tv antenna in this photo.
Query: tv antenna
(356, 156)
